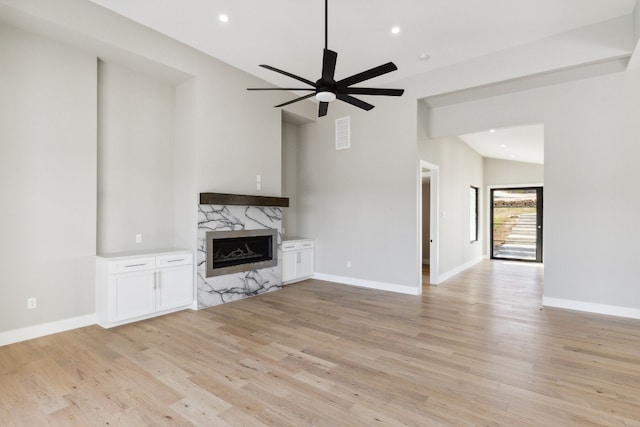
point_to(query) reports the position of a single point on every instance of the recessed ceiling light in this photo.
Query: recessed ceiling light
(492, 130)
(424, 57)
(513, 156)
(503, 145)
(395, 30)
(223, 18)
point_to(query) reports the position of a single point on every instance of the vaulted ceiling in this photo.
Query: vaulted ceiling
(430, 35)
(289, 34)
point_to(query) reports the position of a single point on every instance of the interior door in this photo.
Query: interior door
(516, 223)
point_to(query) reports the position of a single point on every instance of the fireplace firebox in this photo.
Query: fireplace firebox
(240, 250)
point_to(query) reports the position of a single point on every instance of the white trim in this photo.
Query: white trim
(37, 331)
(449, 274)
(590, 307)
(382, 286)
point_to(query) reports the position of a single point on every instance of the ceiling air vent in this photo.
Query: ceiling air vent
(343, 133)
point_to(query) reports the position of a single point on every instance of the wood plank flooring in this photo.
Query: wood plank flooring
(477, 350)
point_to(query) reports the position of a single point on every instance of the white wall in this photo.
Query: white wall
(47, 179)
(136, 121)
(185, 154)
(360, 204)
(508, 172)
(459, 168)
(238, 134)
(591, 175)
(290, 178)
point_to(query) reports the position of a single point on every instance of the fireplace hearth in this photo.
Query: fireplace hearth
(240, 250)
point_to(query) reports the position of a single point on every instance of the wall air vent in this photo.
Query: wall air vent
(343, 133)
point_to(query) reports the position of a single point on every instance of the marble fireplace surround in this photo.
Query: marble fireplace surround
(229, 212)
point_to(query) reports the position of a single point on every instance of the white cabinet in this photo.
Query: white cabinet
(138, 286)
(297, 260)
(170, 289)
(133, 294)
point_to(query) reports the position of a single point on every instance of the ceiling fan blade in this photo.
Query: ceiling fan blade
(293, 76)
(329, 59)
(354, 101)
(373, 91)
(281, 88)
(295, 100)
(366, 75)
(322, 109)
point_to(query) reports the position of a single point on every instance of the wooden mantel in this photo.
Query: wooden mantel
(242, 200)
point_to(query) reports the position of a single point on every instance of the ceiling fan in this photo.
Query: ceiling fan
(327, 89)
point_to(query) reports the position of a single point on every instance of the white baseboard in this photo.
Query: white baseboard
(449, 274)
(590, 307)
(382, 286)
(36, 331)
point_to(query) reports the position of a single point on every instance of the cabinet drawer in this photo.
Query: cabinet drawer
(288, 247)
(133, 264)
(306, 245)
(174, 260)
(297, 245)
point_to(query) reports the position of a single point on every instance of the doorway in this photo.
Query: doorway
(516, 223)
(428, 244)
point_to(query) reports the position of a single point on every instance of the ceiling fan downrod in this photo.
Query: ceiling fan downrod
(326, 24)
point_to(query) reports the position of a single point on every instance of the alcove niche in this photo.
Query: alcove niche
(143, 138)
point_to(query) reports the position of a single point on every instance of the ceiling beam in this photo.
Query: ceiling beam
(634, 61)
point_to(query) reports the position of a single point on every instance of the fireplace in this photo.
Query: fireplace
(251, 215)
(241, 250)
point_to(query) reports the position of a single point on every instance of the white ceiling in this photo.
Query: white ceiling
(521, 144)
(289, 35)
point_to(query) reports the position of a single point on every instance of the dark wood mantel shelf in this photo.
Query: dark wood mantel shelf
(242, 200)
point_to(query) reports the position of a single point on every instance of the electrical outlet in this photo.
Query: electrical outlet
(348, 264)
(258, 186)
(258, 178)
(138, 238)
(32, 303)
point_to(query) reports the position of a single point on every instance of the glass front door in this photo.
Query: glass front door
(516, 224)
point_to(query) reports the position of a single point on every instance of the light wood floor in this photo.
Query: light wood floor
(476, 350)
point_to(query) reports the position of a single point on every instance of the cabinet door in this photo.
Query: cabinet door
(133, 294)
(174, 287)
(305, 263)
(289, 261)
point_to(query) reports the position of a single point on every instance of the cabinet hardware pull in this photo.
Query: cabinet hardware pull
(175, 260)
(134, 265)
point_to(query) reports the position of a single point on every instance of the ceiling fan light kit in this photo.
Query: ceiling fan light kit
(325, 96)
(327, 89)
